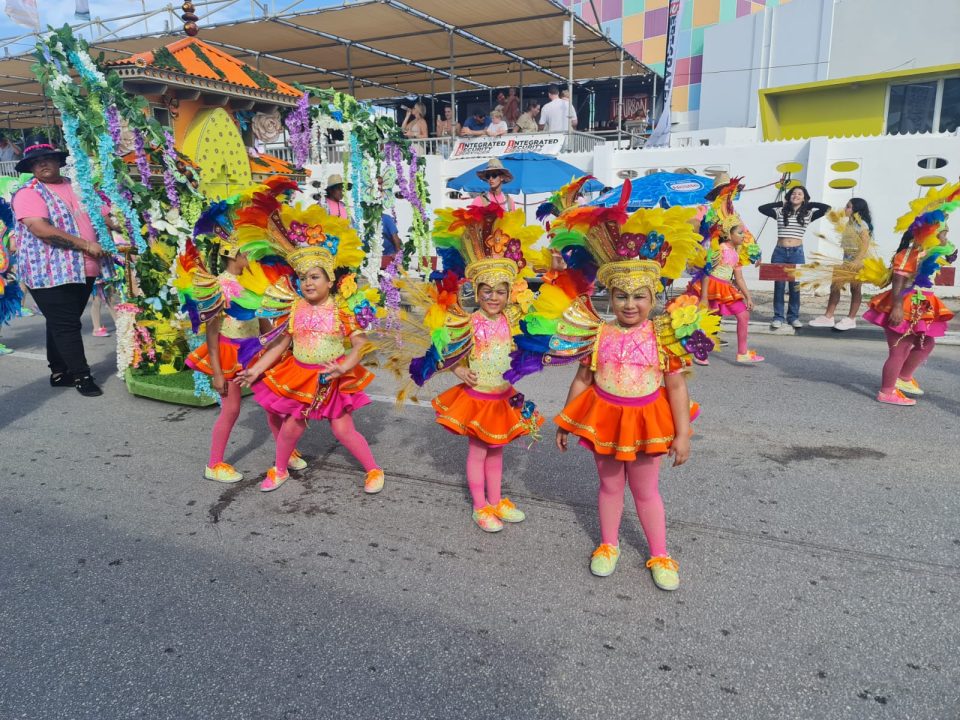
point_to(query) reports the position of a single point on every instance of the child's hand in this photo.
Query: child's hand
(332, 370)
(562, 439)
(247, 377)
(896, 315)
(466, 375)
(749, 303)
(219, 384)
(680, 450)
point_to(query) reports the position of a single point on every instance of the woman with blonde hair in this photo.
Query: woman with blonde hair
(414, 126)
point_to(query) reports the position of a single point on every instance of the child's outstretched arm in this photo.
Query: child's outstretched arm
(249, 375)
(742, 287)
(679, 400)
(581, 381)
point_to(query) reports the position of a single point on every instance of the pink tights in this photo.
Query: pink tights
(229, 412)
(907, 353)
(743, 325)
(484, 473)
(288, 431)
(643, 476)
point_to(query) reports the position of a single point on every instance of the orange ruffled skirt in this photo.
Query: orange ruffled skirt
(722, 296)
(930, 318)
(291, 387)
(488, 417)
(199, 359)
(623, 427)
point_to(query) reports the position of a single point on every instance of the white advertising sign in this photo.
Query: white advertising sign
(488, 147)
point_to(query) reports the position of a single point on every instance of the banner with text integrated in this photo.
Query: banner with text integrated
(488, 147)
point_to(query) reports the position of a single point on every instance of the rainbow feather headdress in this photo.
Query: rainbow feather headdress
(924, 221)
(721, 217)
(485, 245)
(628, 252)
(305, 238)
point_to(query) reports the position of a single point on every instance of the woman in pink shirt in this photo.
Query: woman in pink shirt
(335, 204)
(496, 175)
(59, 259)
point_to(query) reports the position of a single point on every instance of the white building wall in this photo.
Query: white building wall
(873, 36)
(728, 96)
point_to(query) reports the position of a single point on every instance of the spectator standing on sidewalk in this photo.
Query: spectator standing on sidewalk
(793, 217)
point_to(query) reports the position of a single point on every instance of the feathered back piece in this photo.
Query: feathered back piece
(924, 221)
(484, 244)
(304, 237)
(563, 199)
(628, 251)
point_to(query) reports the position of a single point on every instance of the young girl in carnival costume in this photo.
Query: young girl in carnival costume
(628, 402)
(486, 246)
(911, 315)
(719, 284)
(308, 373)
(206, 300)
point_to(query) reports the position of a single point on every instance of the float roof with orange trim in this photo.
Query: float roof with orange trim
(193, 64)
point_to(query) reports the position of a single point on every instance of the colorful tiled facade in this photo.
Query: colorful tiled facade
(641, 26)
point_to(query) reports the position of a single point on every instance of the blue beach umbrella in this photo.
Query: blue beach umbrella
(532, 173)
(661, 190)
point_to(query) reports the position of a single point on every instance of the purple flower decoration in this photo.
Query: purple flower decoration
(628, 244)
(298, 232)
(365, 314)
(698, 344)
(170, 185)
(298, 123)
(516, 401)
(113, 123)
(143, 165)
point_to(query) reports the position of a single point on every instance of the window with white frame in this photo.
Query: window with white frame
(922, 107)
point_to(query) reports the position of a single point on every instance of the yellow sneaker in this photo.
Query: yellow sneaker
(604, 559)
(507, 511)
(910, 387)
(272, 481)
(296, 461)
(222, 473)
(373, 483)
(487, 520)
(665, 572)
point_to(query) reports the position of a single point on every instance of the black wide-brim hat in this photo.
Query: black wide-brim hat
(34, 152)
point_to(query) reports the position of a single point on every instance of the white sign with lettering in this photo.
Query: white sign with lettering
(488, 147)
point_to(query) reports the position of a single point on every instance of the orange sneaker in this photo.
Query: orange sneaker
(373, 483)
(507, 511)
(273, 480)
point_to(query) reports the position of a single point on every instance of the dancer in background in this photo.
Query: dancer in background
(720, 285)
(793, 217)
(628, 402)
(911, 315)
(855, 228)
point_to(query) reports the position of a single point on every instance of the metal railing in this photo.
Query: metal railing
(7, 168)
(581, 142)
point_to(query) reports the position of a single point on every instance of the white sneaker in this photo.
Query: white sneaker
(796, 324)
(776, 324)
(822, 321)
(846, 323)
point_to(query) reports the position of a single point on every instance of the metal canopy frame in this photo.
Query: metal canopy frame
(485, 46)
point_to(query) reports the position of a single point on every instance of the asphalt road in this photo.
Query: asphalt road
(816, 532)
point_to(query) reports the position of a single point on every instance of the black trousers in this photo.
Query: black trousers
(62, 307)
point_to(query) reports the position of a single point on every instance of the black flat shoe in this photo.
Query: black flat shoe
(64, 379)
(87, 387)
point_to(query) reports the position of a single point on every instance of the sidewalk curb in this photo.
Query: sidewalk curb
(864, 331)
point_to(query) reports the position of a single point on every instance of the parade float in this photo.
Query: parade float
(162, 134)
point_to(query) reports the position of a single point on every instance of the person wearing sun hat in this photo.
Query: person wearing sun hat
(59, 258)
(335, 204)
(495, 175)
